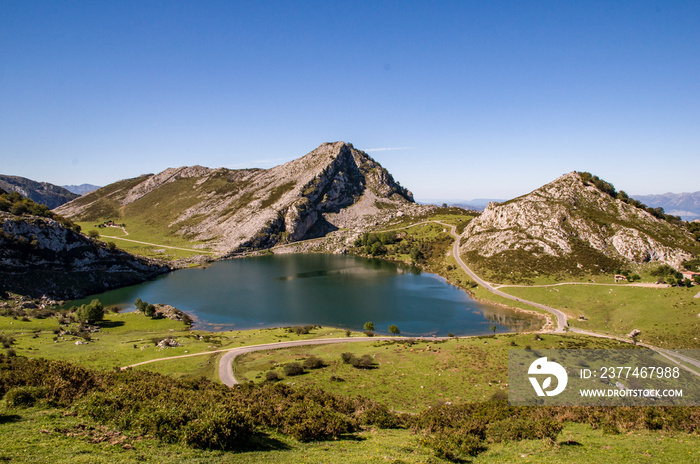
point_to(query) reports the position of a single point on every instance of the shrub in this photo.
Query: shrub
(347, 358)
(272, 376)
(363, 362)
(523, 429)
(455, 445)
(313, 362)
(293, 369)
(24, 396)
(91, 313)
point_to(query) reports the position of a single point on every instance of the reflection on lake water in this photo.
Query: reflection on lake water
(328, 290)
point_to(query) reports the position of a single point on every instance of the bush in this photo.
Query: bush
(24, 396)
(523, 429)
(363, 362)
(455, 445)
(347, 358)
(272, 376)
(91, 313)
(313, 362)
(293, 369)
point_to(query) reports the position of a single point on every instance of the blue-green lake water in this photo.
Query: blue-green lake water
(319, 289)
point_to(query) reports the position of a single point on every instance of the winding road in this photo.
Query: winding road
(559, 315)
(227, 375)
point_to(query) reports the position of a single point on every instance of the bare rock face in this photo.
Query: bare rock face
(334, 186)
(40, 256)
(571, 223)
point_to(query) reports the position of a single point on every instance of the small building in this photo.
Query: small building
(690, 275)
(620, 278)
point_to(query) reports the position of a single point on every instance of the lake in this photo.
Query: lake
(319, 289)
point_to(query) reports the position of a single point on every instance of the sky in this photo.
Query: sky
(457, 99)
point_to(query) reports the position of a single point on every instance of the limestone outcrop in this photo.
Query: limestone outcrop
(571, 224)
(335, 186)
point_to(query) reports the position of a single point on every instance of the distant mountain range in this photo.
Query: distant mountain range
(477, 204)
(685, 205)
(40, 192)
(81, 189)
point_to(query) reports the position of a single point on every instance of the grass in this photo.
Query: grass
(667, 317)
(130, 338)
(45, 435)
(142, 232)
(411, 378)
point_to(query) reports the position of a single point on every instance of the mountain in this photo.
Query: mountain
(81, 189)
(574, 224)
(685, 205)
(477, 204)
(41, 192)
(335, 186)
(42, 253)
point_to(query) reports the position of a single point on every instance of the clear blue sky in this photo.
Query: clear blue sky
(459, 99)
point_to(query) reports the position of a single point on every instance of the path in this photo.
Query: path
(157, 245)
(226, 362)
(561, 318)
(227, 376)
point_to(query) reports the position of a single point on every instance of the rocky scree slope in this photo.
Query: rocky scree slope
(569, 225)
(40, 256)
(41, 192)
(335, 186)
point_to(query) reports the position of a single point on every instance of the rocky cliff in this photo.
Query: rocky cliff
(334, 186)
(40, 192)
(40, 256)
(571, 225)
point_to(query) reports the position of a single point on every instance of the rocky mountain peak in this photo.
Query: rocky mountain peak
(574, 224)
(334, 186)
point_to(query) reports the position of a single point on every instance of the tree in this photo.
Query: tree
(394, 330)
(93, 234)
(369, 326)
(92, 312)
(149, 310)
(416, 254)
(493, 328)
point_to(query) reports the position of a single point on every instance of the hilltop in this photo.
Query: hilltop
(43, 254)
(333, 187)
(40, 192)
(575, 224)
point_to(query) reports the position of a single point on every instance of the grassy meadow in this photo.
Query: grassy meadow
(141, 231)
(415, 375)
(44, 435)
(130, 338)
(667, 317)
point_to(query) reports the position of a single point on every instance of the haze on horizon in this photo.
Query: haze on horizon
(457, 100)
